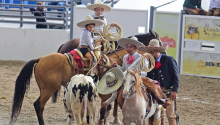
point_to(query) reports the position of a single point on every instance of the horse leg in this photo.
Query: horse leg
(102, 115)
(115, 113)
(126, 121)
(40, 103)
(157, 116)
(107, 114)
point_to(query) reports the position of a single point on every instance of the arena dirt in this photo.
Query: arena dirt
(192, 91)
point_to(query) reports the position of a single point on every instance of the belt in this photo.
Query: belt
(83, 46)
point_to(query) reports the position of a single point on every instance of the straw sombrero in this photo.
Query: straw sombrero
(99, 4)
(90, 20)
(153, 45)
(111, 81)
(133, 40)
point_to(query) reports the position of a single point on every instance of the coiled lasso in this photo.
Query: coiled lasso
(110, 36)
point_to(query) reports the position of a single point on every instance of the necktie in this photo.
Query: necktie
(157, 65)
(92, 34)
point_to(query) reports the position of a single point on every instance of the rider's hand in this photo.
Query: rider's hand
(114, 64)
(103, 40)
(173, 96)
(104, 104)
(113, 24)
(198, 9)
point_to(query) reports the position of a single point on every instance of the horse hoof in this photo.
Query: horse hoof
(117, 122)
(84, 122)
(107, 123)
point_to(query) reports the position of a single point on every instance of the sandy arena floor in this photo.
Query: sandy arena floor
(198, 101)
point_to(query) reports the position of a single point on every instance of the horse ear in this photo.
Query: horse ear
(136, 71)
(128, 69)
(152, 33)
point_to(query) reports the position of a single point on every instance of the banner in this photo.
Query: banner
(201, 63)
(166, 25)
(202, 29)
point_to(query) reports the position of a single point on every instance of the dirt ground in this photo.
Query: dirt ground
(198, 101)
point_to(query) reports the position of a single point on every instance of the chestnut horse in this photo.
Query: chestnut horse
(50, 72)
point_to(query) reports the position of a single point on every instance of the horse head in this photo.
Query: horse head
(132, 84)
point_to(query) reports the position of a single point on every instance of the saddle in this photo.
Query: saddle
(97, 54)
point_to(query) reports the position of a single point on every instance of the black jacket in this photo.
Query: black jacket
(39, 19)
(167, 74)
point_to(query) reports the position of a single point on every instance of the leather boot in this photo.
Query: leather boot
(92, 62)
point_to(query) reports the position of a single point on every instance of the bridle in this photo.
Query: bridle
(136, 80)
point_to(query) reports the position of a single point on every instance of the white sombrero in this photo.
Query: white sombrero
(90, 20)
(99, 4)
(133, 40)
(153, 45)
(111, 81)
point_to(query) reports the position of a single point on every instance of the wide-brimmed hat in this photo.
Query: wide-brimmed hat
(99, 4)
(153, 45)
(111, 81)
(90, 20)
(133, 40)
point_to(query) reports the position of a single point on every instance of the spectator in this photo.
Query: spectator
(214, 8)
(193, 7)
(39, 14)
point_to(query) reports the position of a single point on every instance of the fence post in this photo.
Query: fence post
(21, 14)
(72, 20)
(112, 4)
(92, 1)
(152, 9)
(66, 15)
(180, 40)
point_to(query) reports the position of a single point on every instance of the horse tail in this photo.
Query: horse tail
(55, 95)
(21, 84)
(60, 48)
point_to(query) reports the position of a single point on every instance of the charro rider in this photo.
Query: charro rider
(166, 72)
(86, 39)
(99, 8)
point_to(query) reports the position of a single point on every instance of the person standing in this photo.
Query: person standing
(40, 14)
(166, 72)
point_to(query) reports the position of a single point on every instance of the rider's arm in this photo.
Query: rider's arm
(112, 98)
(89, 41)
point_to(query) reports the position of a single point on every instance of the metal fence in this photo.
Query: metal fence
(22, 16)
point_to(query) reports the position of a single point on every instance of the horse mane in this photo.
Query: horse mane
(138, 84)
(138, 81)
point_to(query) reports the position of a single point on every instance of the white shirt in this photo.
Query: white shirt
(214, 4)
(86, 39)
(100, 28)
(136, 55)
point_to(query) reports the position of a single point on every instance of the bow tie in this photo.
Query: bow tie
(157, 65)
(101, 18)
(129, 59)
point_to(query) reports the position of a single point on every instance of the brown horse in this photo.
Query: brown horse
(51, 72)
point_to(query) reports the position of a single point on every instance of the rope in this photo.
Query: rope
(107, 44)
(142, 62)
(110, 36)
(94, 65)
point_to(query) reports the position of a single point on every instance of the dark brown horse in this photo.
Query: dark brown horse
(72, 44)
